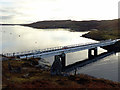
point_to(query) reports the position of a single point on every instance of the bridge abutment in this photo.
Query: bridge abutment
(90, 54)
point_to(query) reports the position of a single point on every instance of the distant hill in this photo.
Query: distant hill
(100, 30)
(76, 25)
(109, 29)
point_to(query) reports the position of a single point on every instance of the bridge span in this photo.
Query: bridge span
(60, 52)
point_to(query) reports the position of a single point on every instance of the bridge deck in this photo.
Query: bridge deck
(58, 50)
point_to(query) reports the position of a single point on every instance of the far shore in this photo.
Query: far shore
(99, 30)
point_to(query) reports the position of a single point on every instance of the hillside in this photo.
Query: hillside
(107, 30)
(73, 25)
(76, 25)
(25, 75)
(100, 30)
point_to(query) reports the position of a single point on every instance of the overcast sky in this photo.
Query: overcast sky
(27, 11)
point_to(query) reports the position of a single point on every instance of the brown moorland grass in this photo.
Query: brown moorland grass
(32, 77)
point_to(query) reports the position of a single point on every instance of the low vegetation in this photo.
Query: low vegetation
(103, 34)
(76, 25)
(34, 77)
(108, 29)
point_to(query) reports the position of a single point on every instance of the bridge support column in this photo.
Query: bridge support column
(58, 64)
(63, 61)
(90, 55)
(95, 51)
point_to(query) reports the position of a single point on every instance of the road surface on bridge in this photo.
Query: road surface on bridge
(42, 53)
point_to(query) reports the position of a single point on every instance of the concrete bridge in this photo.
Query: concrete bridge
(79, 64)
(62, 50)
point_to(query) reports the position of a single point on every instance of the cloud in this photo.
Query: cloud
(29, 10)
(7, 17)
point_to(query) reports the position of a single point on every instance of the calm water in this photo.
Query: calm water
(19, 38)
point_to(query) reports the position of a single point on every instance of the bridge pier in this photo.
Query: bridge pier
(90, 55)
(63, 61)
(58, 64)
(95, 51)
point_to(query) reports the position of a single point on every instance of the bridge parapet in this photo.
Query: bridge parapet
(44, 50)
(65, 49)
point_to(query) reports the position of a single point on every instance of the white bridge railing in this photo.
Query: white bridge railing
(61, 48)
(44, 50)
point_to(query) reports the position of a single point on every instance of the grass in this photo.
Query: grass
(38, 78)
(103, 34)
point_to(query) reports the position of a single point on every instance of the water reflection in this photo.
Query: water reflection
(19, 38)
(104, 68)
